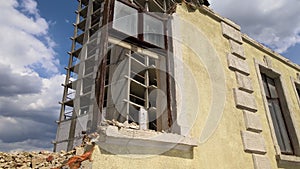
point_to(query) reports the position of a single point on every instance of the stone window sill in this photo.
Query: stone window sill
(288, 159)
(143, 141)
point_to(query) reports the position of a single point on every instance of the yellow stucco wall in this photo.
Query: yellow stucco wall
(224, 149)
(286, 72)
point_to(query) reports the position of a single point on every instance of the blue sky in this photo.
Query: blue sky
(34, 45)
(293, 53)
(35, 41)
(60, 14)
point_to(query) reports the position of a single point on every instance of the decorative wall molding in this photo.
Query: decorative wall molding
(231, 33)
(238, 64)
(245, 100)
(244, 82)
(252, 122)
(252, 137)
(261, 162)
(237, 49)
(253, 142)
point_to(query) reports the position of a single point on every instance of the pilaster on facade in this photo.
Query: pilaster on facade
(252, 138)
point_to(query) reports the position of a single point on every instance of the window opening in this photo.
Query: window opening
(279, 123)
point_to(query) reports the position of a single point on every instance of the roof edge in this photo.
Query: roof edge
(208, 11)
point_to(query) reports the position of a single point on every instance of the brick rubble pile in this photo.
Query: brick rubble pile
(79, 157)
(41, 160)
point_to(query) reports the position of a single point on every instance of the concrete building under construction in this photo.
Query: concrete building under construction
(171, 84)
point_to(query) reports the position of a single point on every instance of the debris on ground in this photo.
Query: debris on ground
(49, 160)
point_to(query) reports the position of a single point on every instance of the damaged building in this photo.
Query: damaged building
(171, 84)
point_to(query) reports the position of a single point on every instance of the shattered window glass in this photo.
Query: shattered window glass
(153, 30)
(125, 19)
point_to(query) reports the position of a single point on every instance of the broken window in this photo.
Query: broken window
(125, 19)
(153, 30)
(135, 90)
(275, 99)
(135, 72)
(130, 21)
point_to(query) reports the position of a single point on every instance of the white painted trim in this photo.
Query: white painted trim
(145, 141)
(283, 159)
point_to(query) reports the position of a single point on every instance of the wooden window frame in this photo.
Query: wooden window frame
(273, 96)
(296, 86)
(139, 41)
(282, 158)
(171, 93)
(164, 124)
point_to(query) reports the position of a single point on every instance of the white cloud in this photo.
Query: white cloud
(25, 39)
(67, 21)
(30, 6)
(28, 102)
(15, 84)
(14, 18)
(275, 23)
(44, 100)
(20, 128)
(27, 145)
